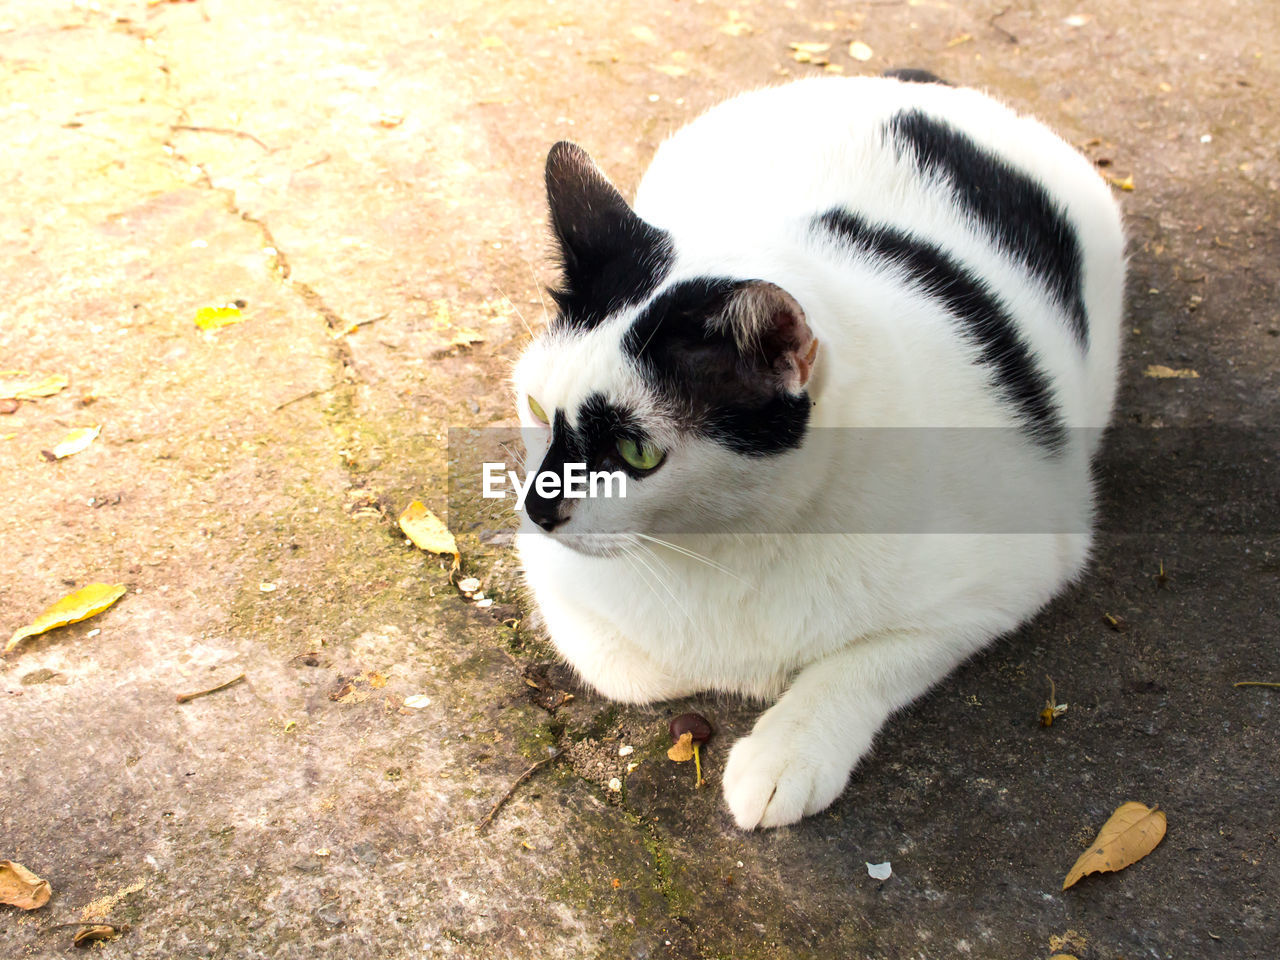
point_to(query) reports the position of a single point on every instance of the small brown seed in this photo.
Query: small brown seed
(692, 723)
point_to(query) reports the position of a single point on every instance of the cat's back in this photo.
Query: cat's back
(794, 150)
(997, 194)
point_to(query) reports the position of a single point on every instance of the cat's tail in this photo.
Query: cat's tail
(912, 75)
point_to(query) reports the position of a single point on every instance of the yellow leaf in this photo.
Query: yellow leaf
(465, 337)
(682, 750)
(213, 318)
(671, 70)
(1133, 831)
(21, 888)
(860, 51)
(805, 47)
(21, 385)
(428, 532)
(1160, 372)
(76, 441)
(957, 40)
(72, 608)
(1062, 956)
(1123, 183)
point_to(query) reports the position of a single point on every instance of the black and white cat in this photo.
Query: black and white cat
(822, 285)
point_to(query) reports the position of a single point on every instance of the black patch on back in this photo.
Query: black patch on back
(981, 316)
(913, 75)
(1013, 208)
(711, 387)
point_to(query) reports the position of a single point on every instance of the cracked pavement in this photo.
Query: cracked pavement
(367, 179)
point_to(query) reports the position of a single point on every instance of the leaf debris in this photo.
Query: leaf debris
(186, 697)
(428, 532)
(75, 442)
(21, 888)
(1159, 371)
(215, 318)
(22, 385)
(1132, 832)
(74, 607)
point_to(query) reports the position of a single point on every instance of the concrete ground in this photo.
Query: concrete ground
(379, 164)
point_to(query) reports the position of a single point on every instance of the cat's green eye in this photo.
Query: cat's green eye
(641, 456)
(536, 409)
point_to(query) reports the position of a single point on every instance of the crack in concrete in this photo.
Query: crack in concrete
(647, 833)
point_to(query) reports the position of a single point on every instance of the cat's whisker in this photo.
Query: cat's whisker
(639, 556)
(512, 304)
(537, 287)
(691, 554)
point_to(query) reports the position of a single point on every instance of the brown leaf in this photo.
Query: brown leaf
(682, 750)
(21, 888)
(99, 931)
(1133, 831)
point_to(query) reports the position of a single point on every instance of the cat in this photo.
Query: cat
(853, 350)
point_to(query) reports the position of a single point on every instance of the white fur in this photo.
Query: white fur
(846, 626)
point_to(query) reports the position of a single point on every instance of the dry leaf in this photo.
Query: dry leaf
(1062, 956)
(1160, 372)
(428, 532)
(682, 750)
(860, 51)
(99, 931)
(21, 888)
(957, 40)
(1072, 940)
(72, 608)
(75, 441)
(465, 337)
(1133, 831)
(21, 385)
(803, 47)
(1123, 183)
(213, 318)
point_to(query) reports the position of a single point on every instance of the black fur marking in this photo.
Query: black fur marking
(1014, 209)
(593, 441)
(713, 388)
(610, 258)
(913, 75)
(981, 316)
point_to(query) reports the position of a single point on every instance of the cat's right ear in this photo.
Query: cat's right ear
(594, 226)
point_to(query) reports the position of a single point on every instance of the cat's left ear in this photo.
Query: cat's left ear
(770, 328)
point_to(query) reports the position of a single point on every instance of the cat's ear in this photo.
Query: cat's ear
(592, 221)
(771, 331)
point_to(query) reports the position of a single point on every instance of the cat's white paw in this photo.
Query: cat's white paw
(778, 775)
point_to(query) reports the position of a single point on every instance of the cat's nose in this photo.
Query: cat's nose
(545, 513)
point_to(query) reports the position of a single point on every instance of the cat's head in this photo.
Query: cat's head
(692, 385)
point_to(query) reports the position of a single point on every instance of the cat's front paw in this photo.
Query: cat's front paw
(779, 774)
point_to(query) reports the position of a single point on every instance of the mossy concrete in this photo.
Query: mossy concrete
(366, 178)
